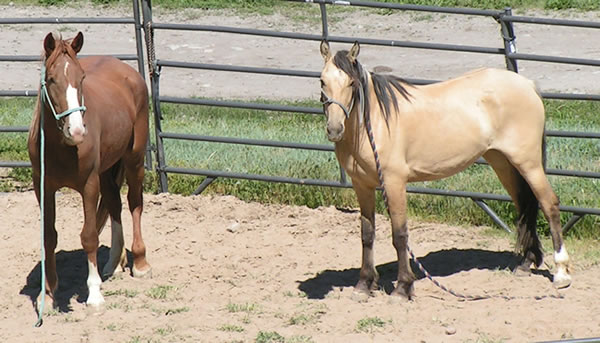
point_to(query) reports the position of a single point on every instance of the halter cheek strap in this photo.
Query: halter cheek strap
(46, 97)
(347, 111)
(329, 100)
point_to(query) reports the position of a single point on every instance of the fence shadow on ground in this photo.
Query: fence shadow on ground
(438, 263)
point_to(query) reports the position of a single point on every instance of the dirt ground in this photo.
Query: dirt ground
(231, 271)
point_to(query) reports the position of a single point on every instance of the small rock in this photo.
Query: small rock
(233, 227)
(450, 330)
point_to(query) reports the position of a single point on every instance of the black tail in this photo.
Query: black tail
(528, 242)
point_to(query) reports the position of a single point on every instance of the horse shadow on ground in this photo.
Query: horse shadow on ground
(72, 270)
(438, 263)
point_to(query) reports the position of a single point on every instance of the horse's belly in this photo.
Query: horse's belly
(439, 169)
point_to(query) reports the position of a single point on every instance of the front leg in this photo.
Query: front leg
(89, 239)
(50, 241)
(396, 194)
(368, 274)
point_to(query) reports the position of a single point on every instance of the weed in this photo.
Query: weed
(231, 328)
(369, 324)
(159, 292)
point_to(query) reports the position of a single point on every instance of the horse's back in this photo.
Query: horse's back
(102, 71)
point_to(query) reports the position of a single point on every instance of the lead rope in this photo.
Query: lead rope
(42, 304)
(367, 117)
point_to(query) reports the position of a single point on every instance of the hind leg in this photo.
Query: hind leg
(134, 172)
(536, 177)
(111, 203)
(527, 206)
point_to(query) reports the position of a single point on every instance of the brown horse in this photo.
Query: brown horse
(90, 148)
(431, 132)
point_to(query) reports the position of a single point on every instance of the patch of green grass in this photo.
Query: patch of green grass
(269, 337)
(164, 331)
(563, 153)
(369, 324)
(124, 292)
(245, 307)
(159, 292)
(231, 328)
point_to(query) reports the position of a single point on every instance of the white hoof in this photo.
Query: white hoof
(144, 274)
(561, 280)
(95, 299)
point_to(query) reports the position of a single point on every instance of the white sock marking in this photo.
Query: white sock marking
(561, 257)
(93, 282)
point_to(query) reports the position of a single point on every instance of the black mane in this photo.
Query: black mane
(383, 85)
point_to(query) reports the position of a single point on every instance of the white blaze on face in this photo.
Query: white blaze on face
(75, 119)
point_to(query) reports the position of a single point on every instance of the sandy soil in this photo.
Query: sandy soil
(232, 270)
(263, 268)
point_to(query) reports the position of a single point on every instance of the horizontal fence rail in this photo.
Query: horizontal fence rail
(507, 49)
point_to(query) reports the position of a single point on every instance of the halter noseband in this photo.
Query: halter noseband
(46, 96)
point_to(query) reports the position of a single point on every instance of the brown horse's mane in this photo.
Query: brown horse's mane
(383, 85)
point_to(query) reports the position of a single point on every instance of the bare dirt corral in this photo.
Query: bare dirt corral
(229, 265)
(231, 270)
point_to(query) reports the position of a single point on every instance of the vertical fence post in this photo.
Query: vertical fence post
(139, 44)
(154, 85)
(325, 36)
(508, 36)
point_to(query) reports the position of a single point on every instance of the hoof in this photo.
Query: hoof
(95, 309)
(49, 303)
(107, 273)
(95, 302)
(522, 271)
(404, 290)
(360, 296)
(142, 274)
(561, 280)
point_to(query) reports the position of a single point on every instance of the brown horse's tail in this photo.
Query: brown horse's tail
(528, 242)
(117, 173)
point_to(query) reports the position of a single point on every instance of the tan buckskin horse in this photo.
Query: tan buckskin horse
(431, 132)
(90, 148)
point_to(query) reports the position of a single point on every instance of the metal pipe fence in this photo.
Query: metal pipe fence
(508, 50)
(157, 66)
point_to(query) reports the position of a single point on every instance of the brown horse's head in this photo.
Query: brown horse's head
(62, 81)
(338, 88)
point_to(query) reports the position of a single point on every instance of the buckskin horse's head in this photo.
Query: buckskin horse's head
(62, 78)
(338, 88)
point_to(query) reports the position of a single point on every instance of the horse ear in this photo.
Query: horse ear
(353, 53)
(325, 52)
(77, 42)
(49, 44)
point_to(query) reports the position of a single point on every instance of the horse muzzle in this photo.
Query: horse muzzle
(335, 132)
(74, 135)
